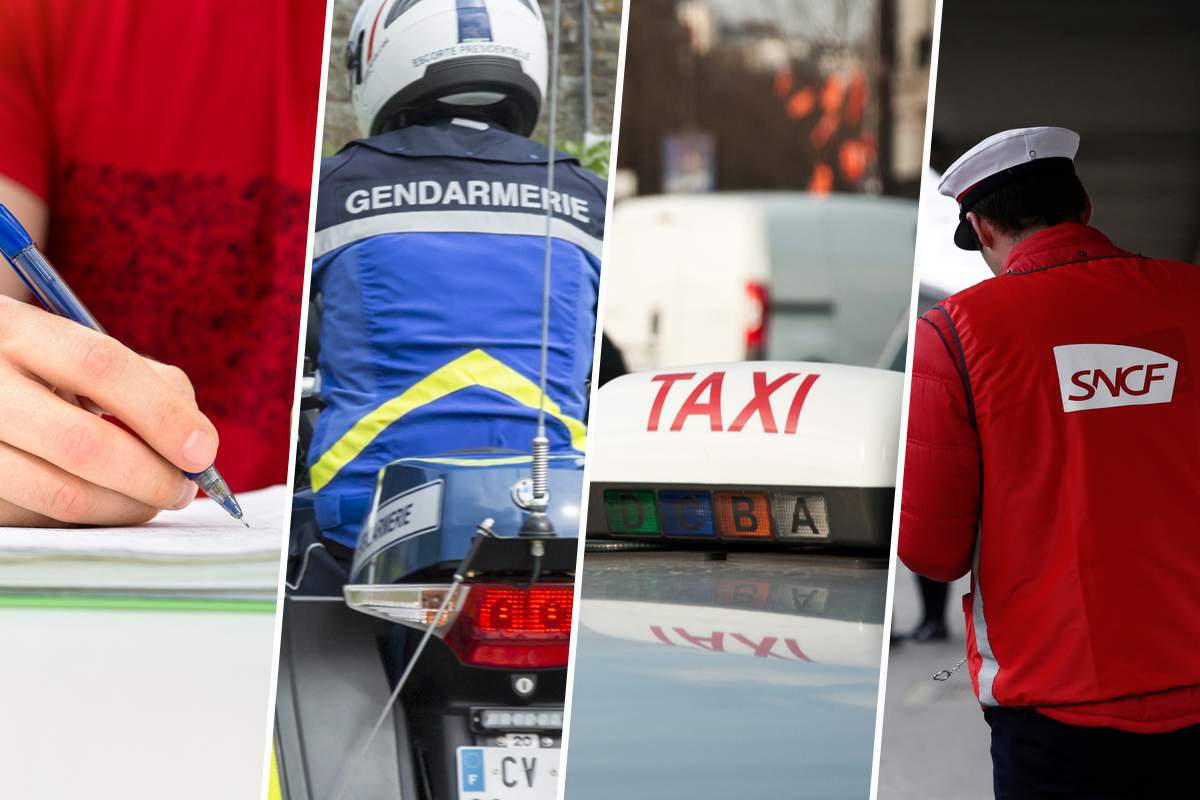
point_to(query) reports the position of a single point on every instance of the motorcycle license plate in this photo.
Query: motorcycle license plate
(507, 773)
(517, 740)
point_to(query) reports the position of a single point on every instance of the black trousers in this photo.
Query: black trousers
(1036, 757)
(933, 599)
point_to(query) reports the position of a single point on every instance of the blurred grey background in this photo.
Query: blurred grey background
(1125, 75)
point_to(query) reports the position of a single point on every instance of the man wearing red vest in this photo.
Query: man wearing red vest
(1054, 452)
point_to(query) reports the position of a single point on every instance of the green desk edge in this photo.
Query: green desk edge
(127, 603)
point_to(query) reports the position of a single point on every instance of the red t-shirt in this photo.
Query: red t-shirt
(174, 146)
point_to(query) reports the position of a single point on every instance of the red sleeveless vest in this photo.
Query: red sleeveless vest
(1082, 372)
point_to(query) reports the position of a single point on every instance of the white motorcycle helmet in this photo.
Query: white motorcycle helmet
(412, 61)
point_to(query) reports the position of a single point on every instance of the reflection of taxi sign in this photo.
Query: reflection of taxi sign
(785, 516)
(852, 639)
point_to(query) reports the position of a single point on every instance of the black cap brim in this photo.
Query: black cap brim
(964, 236)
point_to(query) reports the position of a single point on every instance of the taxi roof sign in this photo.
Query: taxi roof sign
(749, 423)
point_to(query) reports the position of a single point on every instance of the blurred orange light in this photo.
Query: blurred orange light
(823, 131)
(822, 180)
(801, 103)
(832, 94)
(853, 157)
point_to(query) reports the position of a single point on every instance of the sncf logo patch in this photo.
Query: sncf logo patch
(1108, 375)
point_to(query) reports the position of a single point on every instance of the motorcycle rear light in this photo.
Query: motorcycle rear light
(800, 516)
(743, 515)
(521, 719)
(686, 513)
(510, 626)
(631, 511)
(415, 606)
(539, 611)
(487, 625)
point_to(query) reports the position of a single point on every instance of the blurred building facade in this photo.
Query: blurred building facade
(913, 45)
(824, 95)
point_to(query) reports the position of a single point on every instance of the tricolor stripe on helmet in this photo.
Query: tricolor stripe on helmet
(474, 24)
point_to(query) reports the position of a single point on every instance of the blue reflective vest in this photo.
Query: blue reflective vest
(428, 256)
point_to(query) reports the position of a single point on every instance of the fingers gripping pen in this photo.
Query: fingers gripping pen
(53, 293)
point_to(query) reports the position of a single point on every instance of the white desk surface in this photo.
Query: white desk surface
(134, 704)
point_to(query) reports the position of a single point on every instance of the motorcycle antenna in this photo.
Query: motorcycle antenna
(536, 522)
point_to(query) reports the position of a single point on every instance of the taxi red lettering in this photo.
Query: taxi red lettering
(761, 403)
(793, 417)
(711, 408)
(662, 637)
(668, 381)
(762, 649)
(714, 643)
(795, 650)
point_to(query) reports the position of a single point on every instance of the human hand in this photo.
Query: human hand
(60, 463)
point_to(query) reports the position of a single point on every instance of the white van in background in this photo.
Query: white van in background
(777, 275)
(685, 280)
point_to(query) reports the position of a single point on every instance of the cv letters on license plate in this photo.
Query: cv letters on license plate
(507, 773)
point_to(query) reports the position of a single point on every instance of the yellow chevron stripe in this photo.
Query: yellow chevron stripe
(475, 368)
(274, 790)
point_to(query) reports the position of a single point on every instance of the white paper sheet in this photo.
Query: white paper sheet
(199, 551)
(203, 530)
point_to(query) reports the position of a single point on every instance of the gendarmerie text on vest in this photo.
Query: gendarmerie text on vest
(468, 194)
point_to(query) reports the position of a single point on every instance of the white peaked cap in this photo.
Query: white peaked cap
(1000, 158)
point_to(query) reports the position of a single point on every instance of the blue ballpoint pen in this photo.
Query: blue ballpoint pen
(53, 293)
